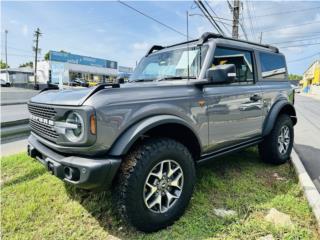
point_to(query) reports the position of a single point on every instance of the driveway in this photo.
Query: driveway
(307, 135)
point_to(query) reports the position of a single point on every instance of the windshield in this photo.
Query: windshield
(171, 64)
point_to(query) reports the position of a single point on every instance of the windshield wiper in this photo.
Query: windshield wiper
(174, 78)
(142, 80)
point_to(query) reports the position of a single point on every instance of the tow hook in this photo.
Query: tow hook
(51, 168)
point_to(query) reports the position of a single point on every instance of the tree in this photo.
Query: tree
(47, 55)
(27, 64)
(295, 77)
(3, 65)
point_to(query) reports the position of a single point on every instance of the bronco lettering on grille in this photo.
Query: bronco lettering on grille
(42, 120)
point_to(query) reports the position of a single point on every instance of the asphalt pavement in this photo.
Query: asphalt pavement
(13, 95)
(307, 135)
(11, 113)
(14, 147)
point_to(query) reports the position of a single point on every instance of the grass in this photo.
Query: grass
(37, 205)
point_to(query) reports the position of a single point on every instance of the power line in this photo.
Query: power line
(310, 34)
(257, 22)
(250, 20)
(206, 13)
(290, 26)
(242, 24)
(19, 49)
(20, 55)
(152, 18)
(297, 40)
(217, 17)
(300, 59)
(286, 12)
(301, 45)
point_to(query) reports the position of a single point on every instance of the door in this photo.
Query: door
(234, 109)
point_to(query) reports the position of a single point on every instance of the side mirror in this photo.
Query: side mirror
(222, 73)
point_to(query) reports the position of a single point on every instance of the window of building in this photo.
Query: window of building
(273, 66)
(240, 58)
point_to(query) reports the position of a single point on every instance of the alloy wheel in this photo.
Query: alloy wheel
(163, 186)
(284, 140)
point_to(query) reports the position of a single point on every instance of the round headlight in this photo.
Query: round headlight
(75, 134)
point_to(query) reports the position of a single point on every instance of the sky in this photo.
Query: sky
(110, 30)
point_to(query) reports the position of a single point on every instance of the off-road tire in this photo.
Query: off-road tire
(129, 186)
(268, 148)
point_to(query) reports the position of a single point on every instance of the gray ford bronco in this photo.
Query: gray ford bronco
(184, 105)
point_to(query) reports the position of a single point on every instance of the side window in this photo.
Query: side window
(272, 66)
(240, 58)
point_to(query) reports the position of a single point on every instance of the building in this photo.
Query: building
(311, 77)
(125, 72)
(18, 77)
(63, 67)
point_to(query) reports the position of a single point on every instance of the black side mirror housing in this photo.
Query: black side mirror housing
(222, 73)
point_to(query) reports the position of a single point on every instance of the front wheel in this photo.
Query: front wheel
(155, 184)
(277, 146)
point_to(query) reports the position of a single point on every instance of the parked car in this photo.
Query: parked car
(92, 83)
(4, 83)
(296, 88)
(79, 82)
(145, 137)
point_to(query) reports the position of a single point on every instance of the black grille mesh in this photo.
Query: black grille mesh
(42, 111)
(45, 130)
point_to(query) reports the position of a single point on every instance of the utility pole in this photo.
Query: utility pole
(6, 49)
(235, 23)
(36, 49)
(260, 39)
(187, 13)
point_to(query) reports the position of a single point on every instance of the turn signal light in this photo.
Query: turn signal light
(93, 124)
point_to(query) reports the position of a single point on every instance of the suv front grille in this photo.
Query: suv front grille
(42, 128)
(42, 111)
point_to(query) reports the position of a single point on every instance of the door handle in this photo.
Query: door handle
(255, 98)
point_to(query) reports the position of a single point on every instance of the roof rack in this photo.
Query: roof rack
(154, 48)
(206, 36)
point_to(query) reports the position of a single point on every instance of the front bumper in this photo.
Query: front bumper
(86, 173)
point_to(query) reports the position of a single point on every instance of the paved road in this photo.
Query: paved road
(307, 135)
(12, 95)
(14, 147)
(14, 112)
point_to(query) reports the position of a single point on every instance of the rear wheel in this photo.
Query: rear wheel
(155, 184)
(277, 146)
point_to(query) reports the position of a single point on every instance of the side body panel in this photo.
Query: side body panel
(136, 104)
(233, 117)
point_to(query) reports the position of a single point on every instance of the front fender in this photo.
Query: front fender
(128, 138)
(279, 107)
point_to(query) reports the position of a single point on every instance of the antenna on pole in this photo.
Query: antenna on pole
(260, 39)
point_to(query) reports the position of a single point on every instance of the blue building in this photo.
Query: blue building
(65, 67)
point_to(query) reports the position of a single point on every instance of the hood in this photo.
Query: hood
(69, 97)
(78, 96)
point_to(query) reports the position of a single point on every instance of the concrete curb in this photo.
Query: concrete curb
(310, 191)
